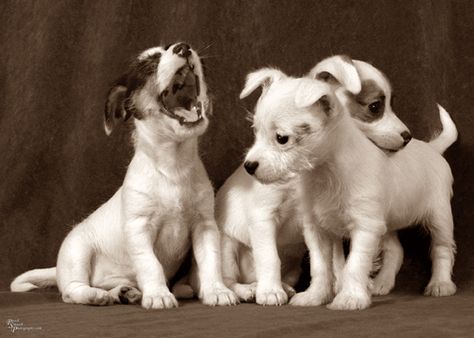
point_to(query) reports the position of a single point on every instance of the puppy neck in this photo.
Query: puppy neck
(168, 155)
(346, 144)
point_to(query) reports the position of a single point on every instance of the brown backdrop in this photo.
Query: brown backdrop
(58, 59)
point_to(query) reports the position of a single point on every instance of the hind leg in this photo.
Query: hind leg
(442, 252)
(73, 272)
(392, 261)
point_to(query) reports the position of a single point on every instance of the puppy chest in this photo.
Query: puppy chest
(172, 241)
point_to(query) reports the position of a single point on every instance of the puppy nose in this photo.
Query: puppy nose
(251, 167)
(406, 137)
(182, 49)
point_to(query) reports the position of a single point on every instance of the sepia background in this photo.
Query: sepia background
(59, 58)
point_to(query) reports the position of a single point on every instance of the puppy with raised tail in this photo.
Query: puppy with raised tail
(349, 187)
(251, 214)
(139, 238)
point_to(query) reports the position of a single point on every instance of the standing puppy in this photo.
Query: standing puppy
(261, 224)
(373, 114)
(349, 187)
(166, 203)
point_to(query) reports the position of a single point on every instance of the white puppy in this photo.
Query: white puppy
(140, 236)
(349, 187)
(261, 223)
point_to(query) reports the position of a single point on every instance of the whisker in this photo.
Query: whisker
(203, 49)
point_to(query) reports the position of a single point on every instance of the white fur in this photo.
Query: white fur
(140, 236)
(261, 224)
(350, 188)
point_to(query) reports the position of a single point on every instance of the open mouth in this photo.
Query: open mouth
(180, 99)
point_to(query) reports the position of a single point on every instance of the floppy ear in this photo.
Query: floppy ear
(311, 91)
(263, 77)
(338, 69)
(115, 110)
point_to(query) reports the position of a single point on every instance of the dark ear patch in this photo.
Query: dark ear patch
(114, 108)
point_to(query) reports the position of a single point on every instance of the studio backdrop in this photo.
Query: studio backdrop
(59, 58)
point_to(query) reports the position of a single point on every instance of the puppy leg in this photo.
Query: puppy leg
(354, 294)
(150, 275)
(267, 264)
(338, 261)
(392, 261)
(206, 247)
(231, 269)
(442, 252)
(73, 272)
(320, 290)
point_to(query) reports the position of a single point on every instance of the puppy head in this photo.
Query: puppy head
(371, 107)
(163, 91)
(291, 119)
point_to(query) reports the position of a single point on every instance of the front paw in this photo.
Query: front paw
(159, 300)
(271, 296)
(440, 289)
(218, 295)
(350, 301)
(312, 297)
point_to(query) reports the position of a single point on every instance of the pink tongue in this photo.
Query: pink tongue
(188, 115)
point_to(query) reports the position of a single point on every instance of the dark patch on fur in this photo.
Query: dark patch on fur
(359, 104)
(134, 79)
(325, 104)
(140, 71)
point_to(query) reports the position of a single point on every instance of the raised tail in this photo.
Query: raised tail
(34, 279)
(448, 135)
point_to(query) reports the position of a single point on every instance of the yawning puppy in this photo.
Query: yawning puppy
(349, 186)
(140, 237)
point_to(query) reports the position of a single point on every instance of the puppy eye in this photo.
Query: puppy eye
(281, 138)
(374, 107)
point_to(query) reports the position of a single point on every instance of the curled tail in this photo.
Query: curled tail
(448, 135)
(34, 279)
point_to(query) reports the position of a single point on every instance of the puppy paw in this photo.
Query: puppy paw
(219, 295)
(271, 296)
(129, 295)
(99, 297)
(440, 289)
(159, 300)
(350, 301)
(381, 286)
(311, 298)
(289, 290)
(245, 292)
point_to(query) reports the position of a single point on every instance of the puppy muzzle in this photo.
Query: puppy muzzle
(179, 100)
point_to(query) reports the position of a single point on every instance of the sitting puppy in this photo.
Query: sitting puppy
(349, 187)
(140, 237)
(261, 223)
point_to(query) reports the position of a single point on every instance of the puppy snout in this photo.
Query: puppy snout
(251, 167)
(406, 137)
(182, 49)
